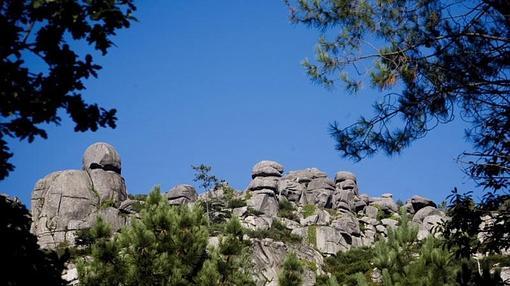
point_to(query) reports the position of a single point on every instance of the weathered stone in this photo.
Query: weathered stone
(240, 212)
(110, 186)
(268, 257)
(130, 206)
(102, 156)
(419, 202)
(381, 229)
(318, 192)
(371, 211)
(425, 212)
(346, 181)
(259, 183)
(70, 196)
(290, 189)
(358, 205)
(341, 196)
(348, 224)
(431, 222)
(263, 202)
(386, 204)
(389, 223)
(267, 169)
(387, 196)
(320, 217)
(257, 222)
(290, 224)
(306, 175)
(329, 240)
(181, 194)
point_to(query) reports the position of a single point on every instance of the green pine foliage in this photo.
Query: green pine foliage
(292, 271)
(166, 246)
(229, 264)
(345, 266)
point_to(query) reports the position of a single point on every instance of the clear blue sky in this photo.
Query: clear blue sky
(220, 83)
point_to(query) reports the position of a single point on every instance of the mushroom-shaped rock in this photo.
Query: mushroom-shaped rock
(181, 194)
(346, 181)
(102, 156)
(260, 183)
(267, 168)
(420, 202)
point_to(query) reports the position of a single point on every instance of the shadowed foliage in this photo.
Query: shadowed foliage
(41, 70)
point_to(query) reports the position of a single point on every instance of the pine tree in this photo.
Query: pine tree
(166, 246)
(292, 271)
(229, 264)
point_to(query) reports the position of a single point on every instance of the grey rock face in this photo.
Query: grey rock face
(386, 204)
(66, 201)
(181, 194)
(330, 241)
(290, 189)
(425, 212)
(341, 197)
(110, 186)
(419, 202)
(260, 183)
(348, 224)
(306, 175)
(346, 181)
(69, 197)
(268, 257)
(267, 169)
(102, 156)
(318, 192)
(264, 201)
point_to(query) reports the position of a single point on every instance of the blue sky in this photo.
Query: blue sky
(220, 83)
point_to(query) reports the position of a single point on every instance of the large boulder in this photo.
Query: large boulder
(290, 189)
(318, 192)
(330, 240)
(388, 205)
(419, 202)
(306, 175)
(267, 169)
(181, 194)
(109, 186)
(260, 183)
(346, 181)
(102, 156)
(264, 201)
(68, 201)
(425, 212)
(340, 198)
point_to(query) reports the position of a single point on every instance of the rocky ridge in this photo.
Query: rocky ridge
(321, 215)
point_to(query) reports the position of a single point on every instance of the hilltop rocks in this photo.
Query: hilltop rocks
(264, 187)
(267, 169)
(65, 201)
(181, 194)
(419, 202)
(102, 156)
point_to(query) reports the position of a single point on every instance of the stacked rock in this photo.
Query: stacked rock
(346, 188)
(66, 201)
(263, 187)
(181, 194)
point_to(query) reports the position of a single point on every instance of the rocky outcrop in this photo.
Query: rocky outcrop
(181, 194)
(66, 201)
(264, 186)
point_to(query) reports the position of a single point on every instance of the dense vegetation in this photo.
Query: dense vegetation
(166, 246)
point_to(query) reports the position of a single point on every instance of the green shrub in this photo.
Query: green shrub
(286, 210)
(292, 272)
(312, 235)
(345, 265)
(277, 232)
(309, 210)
